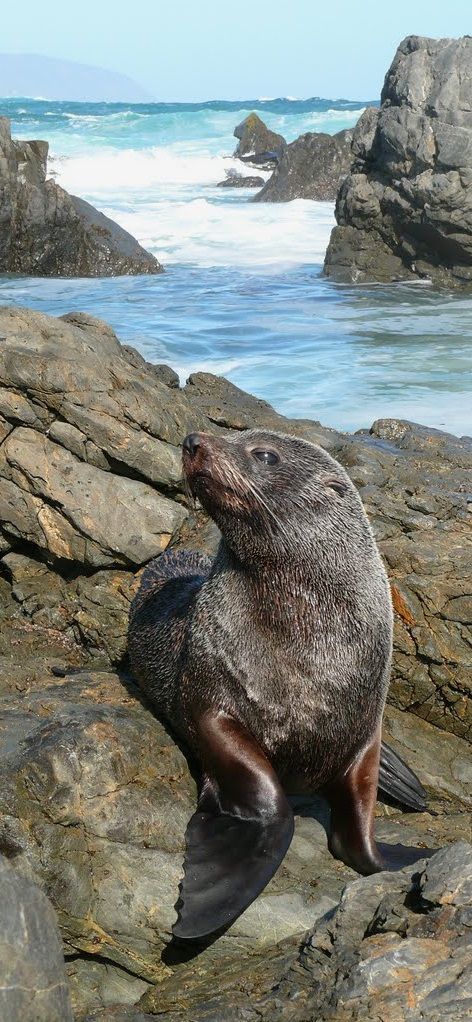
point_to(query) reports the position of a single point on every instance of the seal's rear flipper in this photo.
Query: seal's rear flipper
(239, 834)
(398, 782)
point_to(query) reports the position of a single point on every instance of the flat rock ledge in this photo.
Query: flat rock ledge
(405, 210)
(95, 794)
(47, 232)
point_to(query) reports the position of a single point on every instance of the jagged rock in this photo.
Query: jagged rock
(87, 437)
(256, 138)
(415, 484)
(78, 512)
(396, 949)
(33, 982)
(162, 372)
(235, 180)
(405, 210)
(312, 167)
(90, 612)
(46, 232)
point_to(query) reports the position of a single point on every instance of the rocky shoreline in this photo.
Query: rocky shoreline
(45, 232)
(96, 794)
(311, 167)
(404, 210)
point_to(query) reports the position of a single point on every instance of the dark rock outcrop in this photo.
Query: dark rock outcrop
(33, 982)
(235, 180)
(255, 137)
(312, 167)
(46, 232)
(405, 210)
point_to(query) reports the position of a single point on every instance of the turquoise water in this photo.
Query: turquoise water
(243, 293)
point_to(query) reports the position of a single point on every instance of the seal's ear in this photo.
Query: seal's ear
(238, 836)
(338, 485)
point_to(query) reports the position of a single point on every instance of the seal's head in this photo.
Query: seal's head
(270, 494)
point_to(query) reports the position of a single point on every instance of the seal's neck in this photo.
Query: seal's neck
(290, 596)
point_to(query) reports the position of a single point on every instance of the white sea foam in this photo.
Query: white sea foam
(159, 196)
(208, 233)
(128, 170)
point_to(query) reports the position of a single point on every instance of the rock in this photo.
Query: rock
(88, 613)
(33, 982)
(255, 137)
(94, 801)
(78, 512)
(95, 795)
(392, 949)
(312, 167)
(91, 445)
(415, 484)
(118, 1013)
(235, 180)
(87, 439)
(405, 210)
(96, 986)
(47, 232)
(162, 372)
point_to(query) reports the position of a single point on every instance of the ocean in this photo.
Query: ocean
(243, 294)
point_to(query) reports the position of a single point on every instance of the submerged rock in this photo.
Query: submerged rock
(235, 180)
(312, 167)
(47, 232)
(405, 210)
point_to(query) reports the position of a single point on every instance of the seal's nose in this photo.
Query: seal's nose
(191, 444)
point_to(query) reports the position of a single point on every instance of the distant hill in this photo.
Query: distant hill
(28, 74)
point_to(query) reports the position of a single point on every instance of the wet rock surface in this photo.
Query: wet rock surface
(47, 232)
(33, 983)
(312, 167)
(96, 795)
(405, 210)
(235, 180)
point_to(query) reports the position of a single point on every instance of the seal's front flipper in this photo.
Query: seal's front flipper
(238, 836)
(399, 783)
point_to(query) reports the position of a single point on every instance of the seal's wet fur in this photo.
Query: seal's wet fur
(272, 662)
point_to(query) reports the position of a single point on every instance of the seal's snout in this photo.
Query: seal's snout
(191, 444)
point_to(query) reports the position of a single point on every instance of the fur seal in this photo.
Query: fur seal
(272, 664)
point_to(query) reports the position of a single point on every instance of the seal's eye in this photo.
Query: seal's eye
(338, 485)
(267, 457)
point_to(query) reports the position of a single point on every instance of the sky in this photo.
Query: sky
(192, 50)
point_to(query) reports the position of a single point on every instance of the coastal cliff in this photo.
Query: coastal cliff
(405, 210)
(44, 231)
(96, 794)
